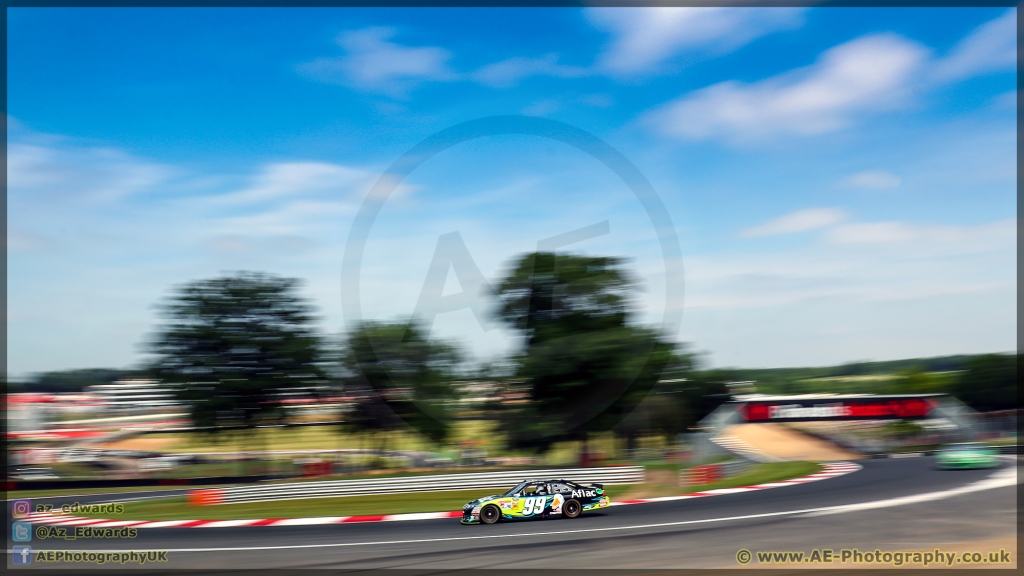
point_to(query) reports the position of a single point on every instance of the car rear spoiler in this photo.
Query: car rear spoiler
(598, 486)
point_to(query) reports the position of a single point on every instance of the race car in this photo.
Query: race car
(536, 499)
(967, 455)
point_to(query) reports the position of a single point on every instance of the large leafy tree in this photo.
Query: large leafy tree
(679, 401)
(230, 345)
(396, 365)
(989, 383)
(585, 365)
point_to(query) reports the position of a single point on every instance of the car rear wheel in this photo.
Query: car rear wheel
(571, 509)
(489, 514)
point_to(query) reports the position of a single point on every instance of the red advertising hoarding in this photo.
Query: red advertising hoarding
(845, 409)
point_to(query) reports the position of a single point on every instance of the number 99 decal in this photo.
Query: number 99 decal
(534, 505)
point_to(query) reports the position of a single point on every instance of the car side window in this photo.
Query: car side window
(559, 488)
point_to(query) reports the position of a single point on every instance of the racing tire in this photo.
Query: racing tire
(489, 514)
(571, 509)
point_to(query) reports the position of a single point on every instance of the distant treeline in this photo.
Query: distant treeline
(985, 381)
(70, 380)
(937, 364)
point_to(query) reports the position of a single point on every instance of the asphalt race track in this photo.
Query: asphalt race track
(697, 533)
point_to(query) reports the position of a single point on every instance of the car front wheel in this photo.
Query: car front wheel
(489, 514)
(571, 509)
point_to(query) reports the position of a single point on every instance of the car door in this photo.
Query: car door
(533, 500)
(560, 492)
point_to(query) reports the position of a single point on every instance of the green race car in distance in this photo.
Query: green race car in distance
(536, 499)
(967, 455)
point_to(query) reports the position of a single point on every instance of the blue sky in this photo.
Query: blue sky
(842, 181)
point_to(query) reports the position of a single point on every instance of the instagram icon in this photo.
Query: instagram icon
(21, 508)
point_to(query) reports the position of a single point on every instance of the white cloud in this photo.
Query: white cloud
(872, 180)
(861, 261)
(542, 107)
(550, 105)
(863, 290)
(99, 235)
(991, 47)
(508, 73)
(296, 217)
(285, 179)
(374, 64)
(872, 233)
(19, 240)
(1005, 101)
(922, 238)
(868, 74)
(69, 171)
(801, 221)
(644, 38)
(288, 245)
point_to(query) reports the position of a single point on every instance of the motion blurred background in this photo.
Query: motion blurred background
(181, 183)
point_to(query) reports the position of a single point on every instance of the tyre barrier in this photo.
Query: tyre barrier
(206, 497)
(705, 474)
(708, 473)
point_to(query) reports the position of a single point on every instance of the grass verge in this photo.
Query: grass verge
(15, 494)
(178, 509)
(761, 474)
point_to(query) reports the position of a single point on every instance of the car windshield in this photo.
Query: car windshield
(516, 489)
(964, 447)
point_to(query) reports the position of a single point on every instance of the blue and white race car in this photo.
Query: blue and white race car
(536, 499)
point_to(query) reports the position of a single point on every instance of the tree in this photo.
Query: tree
(397, 366)
(664, 410)
(989, 383)
(585, 366)
(707, 390)
(914, 380)
(229, 345)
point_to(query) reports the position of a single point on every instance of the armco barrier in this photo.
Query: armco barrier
(374, 486)
(134, 482)
(735, 467)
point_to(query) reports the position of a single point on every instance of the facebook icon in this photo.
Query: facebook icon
(21, 554)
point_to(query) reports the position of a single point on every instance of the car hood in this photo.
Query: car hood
(479, 500)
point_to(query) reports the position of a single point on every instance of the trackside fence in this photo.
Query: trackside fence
(708, 473)
(400, 485)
